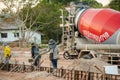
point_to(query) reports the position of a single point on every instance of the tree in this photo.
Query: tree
(115, 4)
(63, 2)
(49, 20)
(92, 3)
(15, 7)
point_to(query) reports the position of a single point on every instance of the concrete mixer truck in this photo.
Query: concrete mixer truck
(95, 28)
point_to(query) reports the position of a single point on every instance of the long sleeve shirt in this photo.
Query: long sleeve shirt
(55, 52)
(7, 51)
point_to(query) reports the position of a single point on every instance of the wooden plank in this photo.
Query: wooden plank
(67, 74)
(13, 69)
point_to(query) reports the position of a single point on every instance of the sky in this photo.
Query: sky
(104, 2)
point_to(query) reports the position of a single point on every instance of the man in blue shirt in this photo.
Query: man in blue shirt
(35, 54)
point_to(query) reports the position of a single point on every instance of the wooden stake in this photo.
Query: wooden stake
(13, 68)
(86, 73)
(103, 73)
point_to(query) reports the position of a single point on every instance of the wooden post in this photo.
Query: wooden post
(2, 66)
(103, 73)
(23, 67)
(13, 68)
(86, 74)
(67, 72)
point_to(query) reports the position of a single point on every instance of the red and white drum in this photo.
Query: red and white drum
(99, 25)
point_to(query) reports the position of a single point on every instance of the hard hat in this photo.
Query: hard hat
(51, 41)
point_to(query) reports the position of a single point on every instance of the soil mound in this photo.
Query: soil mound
(89, 64)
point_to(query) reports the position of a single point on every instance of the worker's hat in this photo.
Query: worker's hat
(51, 41)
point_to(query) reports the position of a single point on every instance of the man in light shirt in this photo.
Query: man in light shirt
(54, 51)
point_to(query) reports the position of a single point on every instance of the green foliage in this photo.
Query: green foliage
(47, 18)
(115, 4)
(92, 3)
(67, 1)
(49, 21)
(64, 2)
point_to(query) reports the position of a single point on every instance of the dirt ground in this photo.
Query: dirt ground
(27, 76)
(22, 55)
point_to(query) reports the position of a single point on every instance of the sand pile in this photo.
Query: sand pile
(84, 64)
(43, 75)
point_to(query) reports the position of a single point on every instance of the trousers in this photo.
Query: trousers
(54, 63)
(36, 60)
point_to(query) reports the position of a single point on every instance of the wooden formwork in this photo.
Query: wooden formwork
(66, 74)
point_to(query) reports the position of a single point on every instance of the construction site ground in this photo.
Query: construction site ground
(21, 55)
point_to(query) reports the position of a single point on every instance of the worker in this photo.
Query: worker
(7, 53)
(35, 54)
(53, 49)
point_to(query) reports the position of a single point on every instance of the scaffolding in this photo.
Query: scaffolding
(67, 29)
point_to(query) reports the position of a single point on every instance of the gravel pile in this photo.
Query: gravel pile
(88, 64)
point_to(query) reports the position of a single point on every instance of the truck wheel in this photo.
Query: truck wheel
(66, 55)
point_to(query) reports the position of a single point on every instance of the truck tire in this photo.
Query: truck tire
(66, 55)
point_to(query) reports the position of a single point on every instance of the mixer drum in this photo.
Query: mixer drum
(99, 25)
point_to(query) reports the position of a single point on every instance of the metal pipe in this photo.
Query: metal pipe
(98, 46)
